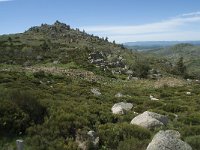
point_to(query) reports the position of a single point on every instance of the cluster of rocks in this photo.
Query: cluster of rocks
(99, 59)
(155, 74)
(64, 32)
(115, 65)
(149, 120)
(57, 26)
(163, 140)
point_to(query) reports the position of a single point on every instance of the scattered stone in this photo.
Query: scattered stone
(168, 140)
(176, 117)
(136, 113)
(188, 93)
(153, 98)
(39, 58)
(55, 62)
(26, 64)
(88, 140)
(189, 80)
(129, 72)
(121, 108)
(129, 77)
(93, 139)
(150, 120)
(96, 91)
(135, 78)
(118, 95)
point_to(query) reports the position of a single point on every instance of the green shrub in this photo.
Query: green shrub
(174, 108)
(39, 74)
(191, 130)
(133, 144)
(12, 119)
(112, 134)
(194, 141)
(192, 119)
(153, 104)
(28, 103)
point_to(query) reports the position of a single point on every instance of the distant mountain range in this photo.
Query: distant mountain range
(145, 45)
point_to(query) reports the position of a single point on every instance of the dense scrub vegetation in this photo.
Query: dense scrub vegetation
(51, 115)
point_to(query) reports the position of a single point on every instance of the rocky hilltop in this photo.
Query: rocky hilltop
(60, 44)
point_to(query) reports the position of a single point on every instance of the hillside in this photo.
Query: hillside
(58, 45)
(189, 52)
(63, 89)
(149, 45)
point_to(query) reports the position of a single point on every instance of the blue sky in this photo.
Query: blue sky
(120, 20)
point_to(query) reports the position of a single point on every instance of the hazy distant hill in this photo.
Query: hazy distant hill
(189, 52)
(148, 45)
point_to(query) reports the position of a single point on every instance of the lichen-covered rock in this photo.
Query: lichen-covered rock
(150, 120)
(96, 91)
(93, 138)
(168, 140)
(90, 140)
(121, 108)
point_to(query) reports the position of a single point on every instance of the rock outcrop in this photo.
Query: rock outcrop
(150, 120)
(168, 140)
(121, 108)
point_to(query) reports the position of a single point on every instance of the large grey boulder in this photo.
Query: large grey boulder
(168, 140)
(150, 120)
(121, 108)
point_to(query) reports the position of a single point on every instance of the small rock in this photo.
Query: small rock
(39, 57)
(119, 95)
(188, 93)
(168, 140)
(135, 78)
(96, 91)
(153, 98)
(55, 62)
